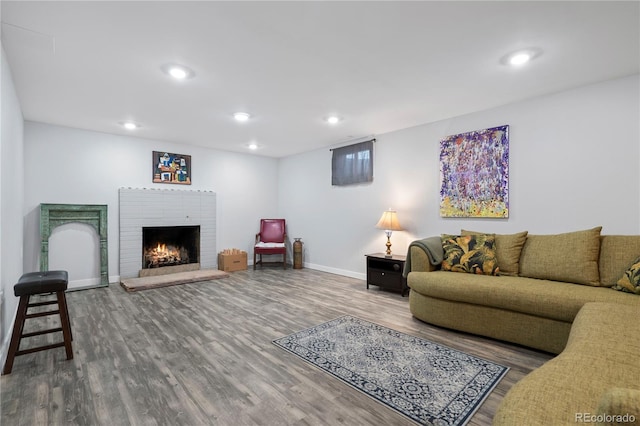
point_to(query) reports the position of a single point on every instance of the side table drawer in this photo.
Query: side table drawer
(385, 279)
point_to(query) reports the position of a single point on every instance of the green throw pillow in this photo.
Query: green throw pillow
(630, 281)
(570, 257)
(474, 254)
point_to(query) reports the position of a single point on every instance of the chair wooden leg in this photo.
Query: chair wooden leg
(284, 260)
(254, 260)
(68, 317)
(64, 320)
(18, 327)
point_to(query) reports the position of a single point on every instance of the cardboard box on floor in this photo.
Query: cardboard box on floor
(230, 260)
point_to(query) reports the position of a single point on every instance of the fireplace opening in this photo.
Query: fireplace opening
(170, 246)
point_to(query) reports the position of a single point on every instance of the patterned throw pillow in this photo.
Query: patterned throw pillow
(508, 249)
(474, 254)
(630, 281)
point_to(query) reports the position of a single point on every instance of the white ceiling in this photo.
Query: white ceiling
(381, 66)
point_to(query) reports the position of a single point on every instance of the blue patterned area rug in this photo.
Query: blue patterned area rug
(427, 382)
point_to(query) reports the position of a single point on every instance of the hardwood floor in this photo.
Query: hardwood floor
(201, 353)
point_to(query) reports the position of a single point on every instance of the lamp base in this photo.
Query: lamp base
(388, 253)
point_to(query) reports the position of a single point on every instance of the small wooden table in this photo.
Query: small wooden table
(386, 272)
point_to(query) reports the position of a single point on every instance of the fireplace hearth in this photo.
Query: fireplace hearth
(164, 246)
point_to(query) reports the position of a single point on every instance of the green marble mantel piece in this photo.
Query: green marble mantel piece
(54, 215)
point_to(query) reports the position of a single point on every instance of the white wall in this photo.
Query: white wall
(573, 165)
(65, 165)
(11, 200)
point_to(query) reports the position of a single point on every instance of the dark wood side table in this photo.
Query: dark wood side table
(386, 272)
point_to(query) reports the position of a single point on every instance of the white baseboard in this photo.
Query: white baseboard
(343, 272)
(90, 283)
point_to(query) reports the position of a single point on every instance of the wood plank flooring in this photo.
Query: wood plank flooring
(201, 353)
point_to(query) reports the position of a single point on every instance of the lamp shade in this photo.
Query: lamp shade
(389, 221)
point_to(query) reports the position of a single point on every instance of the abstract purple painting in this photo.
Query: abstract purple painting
(474, 174)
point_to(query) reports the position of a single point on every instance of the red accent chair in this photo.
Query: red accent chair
(271, 240)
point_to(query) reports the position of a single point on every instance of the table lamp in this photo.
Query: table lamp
(389, 222)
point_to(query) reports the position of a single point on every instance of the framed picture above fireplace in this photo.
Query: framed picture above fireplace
(171, 168)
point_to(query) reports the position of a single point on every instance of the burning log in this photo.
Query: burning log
(164, 255)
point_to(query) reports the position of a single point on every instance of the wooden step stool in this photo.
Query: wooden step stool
(31, 284)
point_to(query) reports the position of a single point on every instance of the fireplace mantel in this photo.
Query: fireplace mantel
(54, 215)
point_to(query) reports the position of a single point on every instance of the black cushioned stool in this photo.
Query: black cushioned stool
(32, 284)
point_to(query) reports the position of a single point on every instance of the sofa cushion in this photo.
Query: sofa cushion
(571, 257)
(542, 298)
(470, 253)
(630, 281)
(508, 249)
(617, 252)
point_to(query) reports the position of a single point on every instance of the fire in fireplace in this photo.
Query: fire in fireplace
(170, 246)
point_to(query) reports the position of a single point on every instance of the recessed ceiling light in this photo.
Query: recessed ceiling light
(241, 116)
(521, 57)
(253, 146)
(178, 72)
(129, 125)
(333, 119)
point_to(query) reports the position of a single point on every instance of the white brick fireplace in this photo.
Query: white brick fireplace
(142, 207)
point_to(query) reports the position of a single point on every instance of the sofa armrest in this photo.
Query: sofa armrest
(419, 261)
(429, 254)
(619, 406)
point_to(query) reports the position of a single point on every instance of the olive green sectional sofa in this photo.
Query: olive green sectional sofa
(556, 293)
(596, 378)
